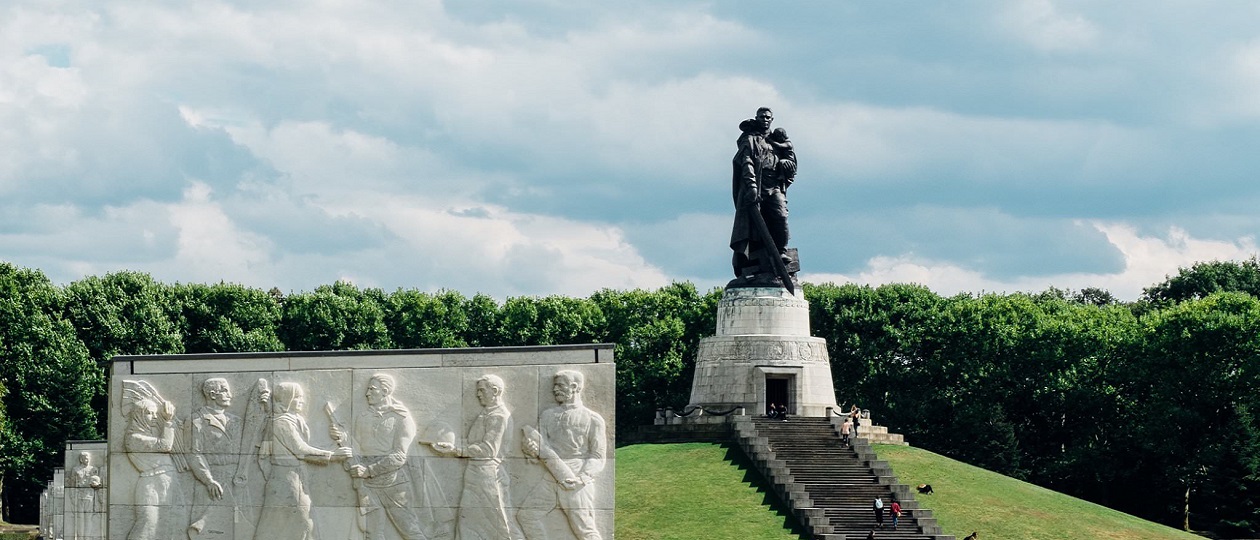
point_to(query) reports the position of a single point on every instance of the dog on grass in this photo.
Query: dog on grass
(925, 489)
(972, 536)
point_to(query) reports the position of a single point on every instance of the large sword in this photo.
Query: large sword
(770, 249)
(767, 242)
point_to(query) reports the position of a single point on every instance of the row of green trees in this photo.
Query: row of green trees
(56, 343)
(1149, 406)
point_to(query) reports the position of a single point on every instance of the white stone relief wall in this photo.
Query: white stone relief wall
(386, 452)
(87, 479)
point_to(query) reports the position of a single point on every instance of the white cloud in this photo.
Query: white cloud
(398, 145)
(211, 247)
(1041, 24)
(1232, 95)
(1148, 260)
(871, 143)
(492, 249)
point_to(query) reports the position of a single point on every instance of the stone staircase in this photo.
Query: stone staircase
(830, 487)
(874, 434)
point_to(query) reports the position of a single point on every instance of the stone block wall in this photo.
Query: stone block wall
(494, 443)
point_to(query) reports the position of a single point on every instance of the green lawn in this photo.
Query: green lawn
(972, 499)
(695, 490)
(690, 491)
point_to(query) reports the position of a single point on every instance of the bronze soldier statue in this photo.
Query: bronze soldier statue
(763, 168)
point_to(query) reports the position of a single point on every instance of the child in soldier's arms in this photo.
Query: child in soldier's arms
(778, 139)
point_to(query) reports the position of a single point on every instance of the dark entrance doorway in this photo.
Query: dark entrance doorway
(777, 392)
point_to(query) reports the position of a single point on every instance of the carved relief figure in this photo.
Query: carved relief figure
(214, 443)
(148, 441)
(382, 436)
(481, 505)
(286, 513)
(254, 461)
(571, 444)
(85, 505)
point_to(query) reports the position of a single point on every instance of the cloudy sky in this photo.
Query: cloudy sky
(550, 147)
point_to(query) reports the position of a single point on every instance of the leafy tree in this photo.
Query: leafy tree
(1231, 489)
(121, 313)
(228, 318)
(550, 320)
(1204, 278)
(874, 336)
(49, 380)
(1196, 370)
(420, 320)
(657, 335)
(483, 314)
(335, 317)
(1095, 296)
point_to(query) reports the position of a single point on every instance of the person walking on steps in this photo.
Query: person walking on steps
(879, 512)
(895, 511)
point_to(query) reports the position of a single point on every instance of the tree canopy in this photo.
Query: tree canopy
(1062, 388)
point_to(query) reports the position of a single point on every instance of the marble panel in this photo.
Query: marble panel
(58, 500)
(85, 491)
(193, 364)
(45, 512)
(361, 446)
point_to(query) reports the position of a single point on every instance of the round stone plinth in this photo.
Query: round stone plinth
(762, 311)
(738, 371)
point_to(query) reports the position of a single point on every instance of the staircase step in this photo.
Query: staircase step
(831, 485)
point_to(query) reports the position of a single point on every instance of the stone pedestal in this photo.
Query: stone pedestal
(763, 349)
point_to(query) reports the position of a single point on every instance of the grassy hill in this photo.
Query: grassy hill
(699, 490)
(690, 491)
(973, 499)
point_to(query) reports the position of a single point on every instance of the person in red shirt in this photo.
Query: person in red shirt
(896, 512)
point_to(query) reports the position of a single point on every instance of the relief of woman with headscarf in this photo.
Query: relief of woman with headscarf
(286, 513)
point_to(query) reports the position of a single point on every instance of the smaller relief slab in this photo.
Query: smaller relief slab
(58, 500)
(45, 512)
(85, 491)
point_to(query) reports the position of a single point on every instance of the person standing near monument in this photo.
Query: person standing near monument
(214, 439)
(482, 514)
(286, 512)
(759, 190)
(383, 434)
(571, 443)
(878, 505)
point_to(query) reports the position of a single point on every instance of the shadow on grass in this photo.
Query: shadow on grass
(736, 456)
